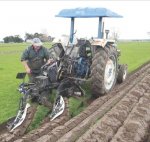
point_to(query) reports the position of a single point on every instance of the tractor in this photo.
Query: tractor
(95, 59)
(77, 61)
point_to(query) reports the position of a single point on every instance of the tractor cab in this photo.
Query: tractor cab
(71, 44)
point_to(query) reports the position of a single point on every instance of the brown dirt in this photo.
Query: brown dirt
(10, 137)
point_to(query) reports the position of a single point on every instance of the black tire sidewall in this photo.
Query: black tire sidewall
(105, 55)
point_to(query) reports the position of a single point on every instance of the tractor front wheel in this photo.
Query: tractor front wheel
(122, 73)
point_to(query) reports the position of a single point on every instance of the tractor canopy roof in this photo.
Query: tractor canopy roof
(87, 13)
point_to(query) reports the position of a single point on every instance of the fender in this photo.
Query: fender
(102, 42)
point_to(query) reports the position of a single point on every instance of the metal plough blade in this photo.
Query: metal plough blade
(58, 108)
(21, 115)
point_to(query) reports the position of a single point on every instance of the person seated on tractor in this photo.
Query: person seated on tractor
(33, 58)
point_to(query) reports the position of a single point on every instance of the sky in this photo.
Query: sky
(19, 17)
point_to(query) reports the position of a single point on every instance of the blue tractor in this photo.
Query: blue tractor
(95, 59)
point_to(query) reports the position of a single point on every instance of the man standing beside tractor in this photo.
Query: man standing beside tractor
(34, 57)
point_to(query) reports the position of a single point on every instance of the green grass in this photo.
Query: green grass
(76, 105)
(133, 53)
(40, 114)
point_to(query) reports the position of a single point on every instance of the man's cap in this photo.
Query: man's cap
(37, 42)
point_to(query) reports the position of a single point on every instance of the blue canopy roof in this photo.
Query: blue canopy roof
(87, 13)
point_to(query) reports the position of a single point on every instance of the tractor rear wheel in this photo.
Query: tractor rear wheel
(103, 71)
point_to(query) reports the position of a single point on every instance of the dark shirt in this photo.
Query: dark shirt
(35, 59)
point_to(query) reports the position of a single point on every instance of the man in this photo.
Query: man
(34, 57)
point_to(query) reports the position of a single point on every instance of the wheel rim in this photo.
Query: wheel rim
(110, 73)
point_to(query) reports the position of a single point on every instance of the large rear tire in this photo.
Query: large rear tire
(103, 71)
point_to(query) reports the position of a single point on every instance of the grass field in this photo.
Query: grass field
(132, 53)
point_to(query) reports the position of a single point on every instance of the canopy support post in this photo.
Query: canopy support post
(100, 28)
(71, 30)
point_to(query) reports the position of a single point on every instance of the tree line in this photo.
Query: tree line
(15, 39)
(28, 36)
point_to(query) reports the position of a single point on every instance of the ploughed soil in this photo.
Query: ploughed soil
(123, 115)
